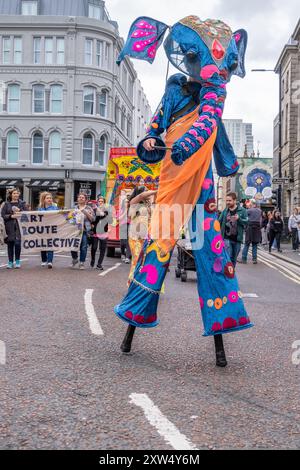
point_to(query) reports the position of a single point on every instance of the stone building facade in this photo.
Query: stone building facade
(63, 100)
(288, 68)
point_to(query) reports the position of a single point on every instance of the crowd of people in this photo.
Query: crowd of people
(241, 224)
(247, 224)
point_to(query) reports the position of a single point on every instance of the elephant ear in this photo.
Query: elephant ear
(144, 38)
(241, 41)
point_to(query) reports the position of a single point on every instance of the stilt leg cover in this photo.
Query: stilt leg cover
(139, 307)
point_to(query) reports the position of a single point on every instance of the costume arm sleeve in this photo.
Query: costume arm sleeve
(212, 98)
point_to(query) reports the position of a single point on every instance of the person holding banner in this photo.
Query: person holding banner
(9, 212)
(89, 218)
(100, 232)
(47, 204)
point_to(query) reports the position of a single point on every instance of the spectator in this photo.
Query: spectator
(9, 212)
(47, 204)
(124, 223)
(100, 232)
(294, 224)
(253, 232)
(264, 229)
(233, 221)
(276, 229)
(89, 217)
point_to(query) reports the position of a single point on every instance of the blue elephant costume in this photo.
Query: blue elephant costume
(209, 53)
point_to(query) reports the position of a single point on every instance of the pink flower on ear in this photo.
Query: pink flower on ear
(237, 37)
(208, 71)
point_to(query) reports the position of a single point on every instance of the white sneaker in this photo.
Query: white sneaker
(123, 258)
(50, 265)
(43, 264)
(74, 263)
(81, 266)
(127, 261)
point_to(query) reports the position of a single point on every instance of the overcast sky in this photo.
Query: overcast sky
(269, 23)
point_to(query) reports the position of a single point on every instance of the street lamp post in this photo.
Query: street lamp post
(280, 133)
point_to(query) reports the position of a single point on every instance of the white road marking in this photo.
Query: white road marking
(249, 296)
(281, 269)
(95, 326)
(2, 353)
(110, 269)
(164, 427)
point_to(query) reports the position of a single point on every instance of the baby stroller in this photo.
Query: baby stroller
(185, 258)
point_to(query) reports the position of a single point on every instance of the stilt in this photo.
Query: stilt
(126, 345)
(220, 352)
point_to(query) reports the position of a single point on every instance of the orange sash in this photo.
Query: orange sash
(180, 186)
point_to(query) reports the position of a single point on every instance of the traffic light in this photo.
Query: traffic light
(275, 198)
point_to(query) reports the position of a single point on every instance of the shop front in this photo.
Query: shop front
(86, 187)
(6, 184)
(55, 187)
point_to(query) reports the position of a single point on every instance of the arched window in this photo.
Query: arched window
(89, 100)
(102, 151)
(38, 99)
(56, 99)
(103, 104)
(37, 148)
(87, 149)
(55, 148)
(12, 147)
(13, 98)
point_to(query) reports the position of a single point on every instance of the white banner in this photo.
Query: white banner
(58, 231)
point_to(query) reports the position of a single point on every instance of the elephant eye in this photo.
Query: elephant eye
(191, 55)
(233, 66)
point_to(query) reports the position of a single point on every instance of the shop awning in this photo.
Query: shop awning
(45, 184)
(10, 183)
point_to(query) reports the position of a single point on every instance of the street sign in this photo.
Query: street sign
(281, 180)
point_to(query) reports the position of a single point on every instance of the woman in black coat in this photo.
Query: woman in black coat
(9, 210)
(276, 229)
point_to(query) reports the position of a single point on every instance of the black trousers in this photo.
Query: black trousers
(275, 236)
(295, 238)
(14, 250)
(102, 244)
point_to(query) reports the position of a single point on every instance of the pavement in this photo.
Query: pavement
(66, 385)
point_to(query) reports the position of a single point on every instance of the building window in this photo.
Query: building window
(287, 84)
(129, 129)
(103, 104)
(87, 149)
(37, 50)
(38, 99)
(89, 100)
(95, 11)
(124, 78)
(60, 51)
(88, 52)
(48, 51)
(286, 134)
(6, 50)
(99, 53)
(56, 99)
(123, 119)
(102, 150)
(13, 98)
(37, 148)
(17, 50)
(55, 148)
(29, 7)
(12, 147)
(130, 88)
